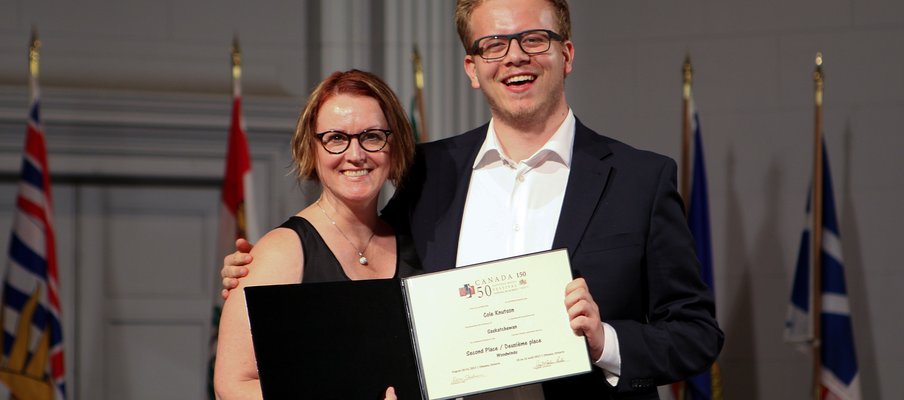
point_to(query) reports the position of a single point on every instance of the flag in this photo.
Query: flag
(839, 376)
(707, 385)
(32, 364)
(237, 217)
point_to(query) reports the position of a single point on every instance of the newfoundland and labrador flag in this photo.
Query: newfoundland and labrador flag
(840, 378)
(32, 364)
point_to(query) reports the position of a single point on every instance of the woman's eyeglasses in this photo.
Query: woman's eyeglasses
(337, 142)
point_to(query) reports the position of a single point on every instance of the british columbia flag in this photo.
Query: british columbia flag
(32, 364)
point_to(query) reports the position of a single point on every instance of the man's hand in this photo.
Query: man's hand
(234, 266)
(585, 316)
(390, 394)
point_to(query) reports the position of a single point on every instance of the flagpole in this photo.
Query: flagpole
(240, 214)
(688, 75)
(419, 94)
(678, 388)
(817, 228)
(235, 53)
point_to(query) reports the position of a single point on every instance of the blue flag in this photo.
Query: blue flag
(840, 378)
(707, 385)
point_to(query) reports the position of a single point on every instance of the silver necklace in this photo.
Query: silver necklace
(361, 258)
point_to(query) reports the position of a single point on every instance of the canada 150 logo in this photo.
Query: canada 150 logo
(484, 287)
(468, 290)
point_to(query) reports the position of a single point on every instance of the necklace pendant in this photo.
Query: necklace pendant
(362, 260)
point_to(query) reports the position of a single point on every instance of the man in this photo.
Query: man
(535, 178)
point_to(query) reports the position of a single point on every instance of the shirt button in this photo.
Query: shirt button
(517, 228)
(520, 178)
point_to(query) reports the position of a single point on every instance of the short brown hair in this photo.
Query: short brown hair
(355, 83)
(464, 9)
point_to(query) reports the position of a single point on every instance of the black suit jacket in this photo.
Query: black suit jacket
(623, 223)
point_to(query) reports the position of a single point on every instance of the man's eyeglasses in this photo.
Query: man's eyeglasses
(337, 142)
(494, 47)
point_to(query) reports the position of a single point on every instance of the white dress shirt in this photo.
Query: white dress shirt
(514, 205)
(512, 209)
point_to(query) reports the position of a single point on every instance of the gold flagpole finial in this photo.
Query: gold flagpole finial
(818, 78)
(418, 69)
(236, 58)
(687, 78)
(688, 73)
(419, 94)
(33, 53)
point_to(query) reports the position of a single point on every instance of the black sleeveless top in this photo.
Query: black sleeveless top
(321, 265)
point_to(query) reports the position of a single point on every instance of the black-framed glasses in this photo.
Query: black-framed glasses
(532, 41)
(337, 142)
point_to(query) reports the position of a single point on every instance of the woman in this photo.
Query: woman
(352, 136)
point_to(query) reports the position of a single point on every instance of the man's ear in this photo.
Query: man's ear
(568, 53)
(471, 69)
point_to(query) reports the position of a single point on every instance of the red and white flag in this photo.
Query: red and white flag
(237, 216)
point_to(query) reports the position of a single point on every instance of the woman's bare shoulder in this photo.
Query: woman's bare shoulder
(277, 258)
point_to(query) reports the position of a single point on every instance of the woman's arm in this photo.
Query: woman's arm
(277, 260)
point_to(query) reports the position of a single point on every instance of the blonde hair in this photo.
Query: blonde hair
(464, 9)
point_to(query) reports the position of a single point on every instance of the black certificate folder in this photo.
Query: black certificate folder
(442, 335)
(335, 340)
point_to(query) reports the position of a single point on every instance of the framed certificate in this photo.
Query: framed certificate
(447, 334)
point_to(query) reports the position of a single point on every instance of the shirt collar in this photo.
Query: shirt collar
(558, 148)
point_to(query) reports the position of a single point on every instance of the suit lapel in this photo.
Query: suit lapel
(456, 177)
(590, 171)
(587, 181)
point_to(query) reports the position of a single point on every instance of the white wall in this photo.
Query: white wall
(753, 89)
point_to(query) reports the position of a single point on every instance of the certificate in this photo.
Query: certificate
(494, 325)
(434, 336)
